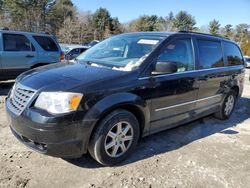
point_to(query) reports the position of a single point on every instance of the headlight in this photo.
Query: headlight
(58, 102)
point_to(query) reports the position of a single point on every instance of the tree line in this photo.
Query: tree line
(63, 19)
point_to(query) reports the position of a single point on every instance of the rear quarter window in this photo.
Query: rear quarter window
(233, 54)
(210, 54)
(47, 43)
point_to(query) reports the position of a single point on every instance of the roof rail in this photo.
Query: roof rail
(202, 34)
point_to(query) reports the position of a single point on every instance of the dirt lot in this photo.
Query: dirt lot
(204, 153)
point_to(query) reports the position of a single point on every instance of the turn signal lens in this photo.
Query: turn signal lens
(75, 102)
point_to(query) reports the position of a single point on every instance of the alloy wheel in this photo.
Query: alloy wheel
(119, 139)
(229, 105)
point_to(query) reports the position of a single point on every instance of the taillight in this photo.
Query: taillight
(62, 56)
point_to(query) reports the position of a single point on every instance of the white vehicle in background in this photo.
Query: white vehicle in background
(247, 61)
(91, 44)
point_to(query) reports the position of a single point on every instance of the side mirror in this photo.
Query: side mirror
(165, 68)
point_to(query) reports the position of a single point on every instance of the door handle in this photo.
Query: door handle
(29, 56)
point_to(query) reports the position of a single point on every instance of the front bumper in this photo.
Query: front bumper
(54, 136)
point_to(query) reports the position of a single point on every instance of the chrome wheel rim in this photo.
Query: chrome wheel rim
(119, 139)
(229, 105)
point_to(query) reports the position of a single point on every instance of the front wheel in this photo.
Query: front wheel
(115, 137)
(227, 106)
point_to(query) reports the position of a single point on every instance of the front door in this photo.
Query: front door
(174, 95)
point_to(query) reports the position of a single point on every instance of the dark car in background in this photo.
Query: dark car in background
(124, 88)
(21, 51)
(71, 51)
(74, 51)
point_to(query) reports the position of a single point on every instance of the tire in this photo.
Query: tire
(226, 110)
(110, 144)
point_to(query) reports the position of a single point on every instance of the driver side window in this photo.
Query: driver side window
(180, 52)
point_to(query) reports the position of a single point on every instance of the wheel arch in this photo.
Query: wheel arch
(130, 107)
(126, 101)
(236, 89)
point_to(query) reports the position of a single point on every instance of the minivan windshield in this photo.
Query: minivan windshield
(122, 52)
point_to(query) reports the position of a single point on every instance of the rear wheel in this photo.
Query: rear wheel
(227, 106)
(115, 137)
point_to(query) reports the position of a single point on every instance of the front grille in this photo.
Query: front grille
(20, 97)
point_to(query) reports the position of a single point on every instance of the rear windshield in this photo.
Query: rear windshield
(47, 43)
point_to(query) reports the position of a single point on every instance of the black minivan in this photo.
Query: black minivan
(126, 87)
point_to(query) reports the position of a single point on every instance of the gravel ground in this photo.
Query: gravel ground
(204, 153)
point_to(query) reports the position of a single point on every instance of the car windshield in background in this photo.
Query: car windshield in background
(247, 59)
(124, 52)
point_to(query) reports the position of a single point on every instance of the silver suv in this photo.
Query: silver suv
(21, 51)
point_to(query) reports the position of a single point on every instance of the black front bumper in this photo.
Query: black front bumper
(47, 134)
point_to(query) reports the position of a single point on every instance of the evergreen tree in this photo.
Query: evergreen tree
(169, 22)
(116, 26)
(170, 16)
(101, 21)
(146, 23)
(228, 31)
(104, 25)
(242, 33)
(1, 6)
(184, 21)
(56, 17)
(214, 27)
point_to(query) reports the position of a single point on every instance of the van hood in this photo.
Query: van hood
(64, 76)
